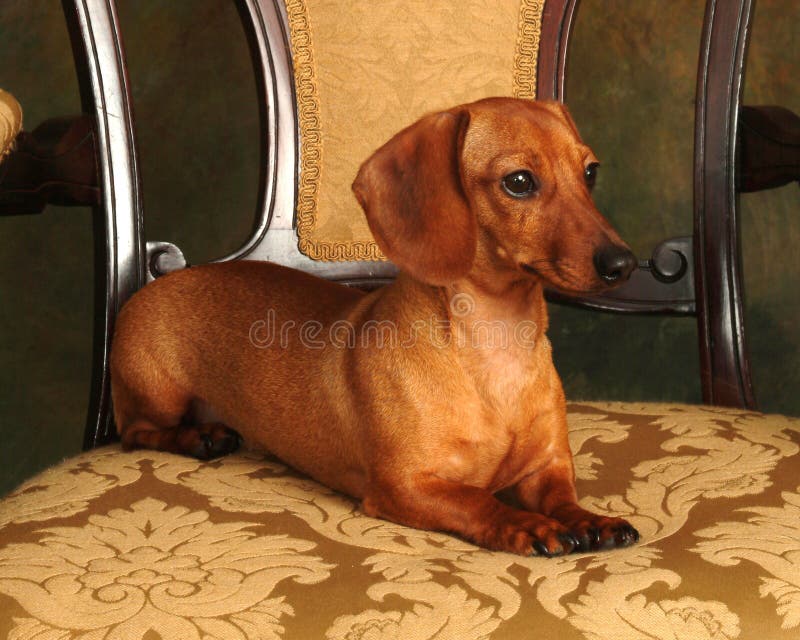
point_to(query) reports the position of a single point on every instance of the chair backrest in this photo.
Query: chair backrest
(699, 274)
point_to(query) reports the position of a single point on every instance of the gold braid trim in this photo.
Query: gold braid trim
(340, 251)
(527, 54)
(311, 156)
(311, 148)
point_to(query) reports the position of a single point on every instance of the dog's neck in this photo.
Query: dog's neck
(508, 299)
(471, 304)
(500, 327)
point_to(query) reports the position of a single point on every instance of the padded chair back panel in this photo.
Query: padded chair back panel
(364, 70)
(346, 91)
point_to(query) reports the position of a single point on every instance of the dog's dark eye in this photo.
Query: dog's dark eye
(590, 174)
(519, 184)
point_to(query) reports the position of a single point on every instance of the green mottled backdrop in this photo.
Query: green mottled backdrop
(631, 90)
(631, 87)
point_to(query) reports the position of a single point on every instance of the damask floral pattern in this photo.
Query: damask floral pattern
(67, 489)
(130, 544)
(770, 539)
(154, 567)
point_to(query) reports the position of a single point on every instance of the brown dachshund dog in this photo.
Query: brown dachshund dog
(428, 396)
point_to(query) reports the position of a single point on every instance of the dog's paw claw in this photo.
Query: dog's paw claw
(569, 541)
(563, 544)
(626, 536)
(206, 444)
(585, 539)
(594, 532)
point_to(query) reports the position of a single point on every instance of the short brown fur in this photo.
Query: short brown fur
(399, 397)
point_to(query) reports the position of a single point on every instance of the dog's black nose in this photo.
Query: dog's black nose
(614, 264)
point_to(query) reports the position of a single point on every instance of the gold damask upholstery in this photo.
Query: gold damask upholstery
(147, 545)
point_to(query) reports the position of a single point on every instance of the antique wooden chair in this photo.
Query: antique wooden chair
(146, 544)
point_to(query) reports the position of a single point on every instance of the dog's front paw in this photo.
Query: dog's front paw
(594, 532)
(530, 534)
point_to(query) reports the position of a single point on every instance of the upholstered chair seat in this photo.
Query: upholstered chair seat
(144, 544)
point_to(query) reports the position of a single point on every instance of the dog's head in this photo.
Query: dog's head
(500, 185)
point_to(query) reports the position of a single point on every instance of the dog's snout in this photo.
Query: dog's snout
(614, 264)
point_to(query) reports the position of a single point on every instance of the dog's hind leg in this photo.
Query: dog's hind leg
(203, 441)
(154, 416)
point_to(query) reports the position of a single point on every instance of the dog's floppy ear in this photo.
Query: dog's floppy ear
(411, 191)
